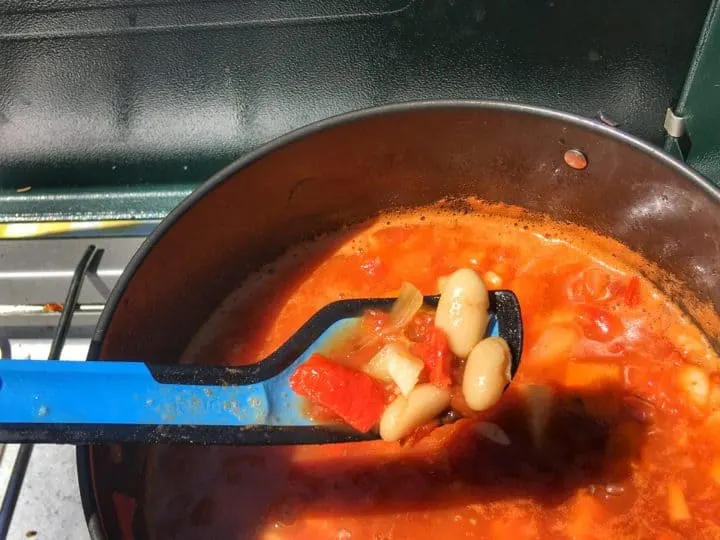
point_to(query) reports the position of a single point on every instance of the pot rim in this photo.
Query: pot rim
(87, 493)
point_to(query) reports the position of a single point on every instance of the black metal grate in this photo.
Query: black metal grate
(87, 263)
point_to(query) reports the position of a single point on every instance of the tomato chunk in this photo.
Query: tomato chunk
(599, 324)
(352, 395)
(435, 352)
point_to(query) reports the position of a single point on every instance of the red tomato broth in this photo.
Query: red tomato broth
(620, 430)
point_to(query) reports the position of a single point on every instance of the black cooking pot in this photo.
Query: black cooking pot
(350, 168)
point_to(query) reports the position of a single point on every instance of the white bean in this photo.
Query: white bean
(487, 372)
(406, 414)
(462, 311)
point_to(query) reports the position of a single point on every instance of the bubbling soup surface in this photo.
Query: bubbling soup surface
(610, 429)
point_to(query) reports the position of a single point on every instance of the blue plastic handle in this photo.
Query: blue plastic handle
(127, 393)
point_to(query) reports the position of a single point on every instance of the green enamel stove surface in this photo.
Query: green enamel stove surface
(114, 110)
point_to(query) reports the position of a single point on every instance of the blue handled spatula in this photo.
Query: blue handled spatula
(137, 402)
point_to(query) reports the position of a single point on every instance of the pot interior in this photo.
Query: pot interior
(354, 169)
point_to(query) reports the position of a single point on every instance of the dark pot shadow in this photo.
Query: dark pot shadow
(591, 438)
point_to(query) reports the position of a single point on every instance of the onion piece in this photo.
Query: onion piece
(492, 432)
(408, 303)
(394, 363)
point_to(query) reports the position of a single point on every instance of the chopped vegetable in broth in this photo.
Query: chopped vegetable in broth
(397, 372)
(609, 429)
